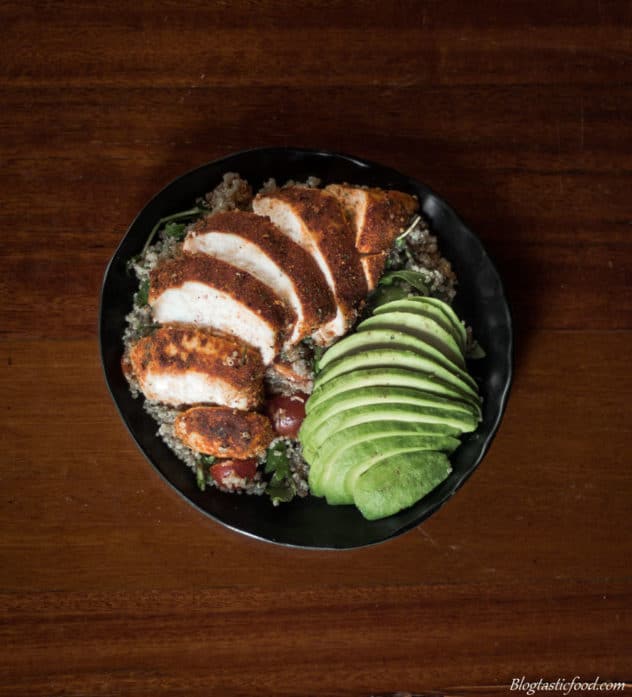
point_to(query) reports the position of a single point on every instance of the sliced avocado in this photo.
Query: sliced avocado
(318, 432)
(419, 325)
(395, 358)
(363, 396)
(441, 312)
(362, 432)
(342, 470)
(397, 481)
(378, 333)
(411, 400)
(431, 309)
(386, 377)
(450, 314)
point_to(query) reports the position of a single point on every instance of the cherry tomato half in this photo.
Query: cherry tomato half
(231, 473)
(287, 413)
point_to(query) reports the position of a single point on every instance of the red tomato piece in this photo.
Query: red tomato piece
(231, 473)
(287, 413)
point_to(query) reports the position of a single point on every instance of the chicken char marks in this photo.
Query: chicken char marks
(197, 289)
(224, 432)
(255, 245)
(313, 218)
(186, 365)
(377, 216)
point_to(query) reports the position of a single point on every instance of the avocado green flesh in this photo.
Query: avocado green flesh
(390, 336)
(418, 327)
(428, 309)
(339, 474)
(364, 396)
(397, 482)
(455, 423)
(385, 378)
(334, 490)
(389, 358)
(459, 415)
(387, 333)
(368, 431)
(450, 314)
(389, 403)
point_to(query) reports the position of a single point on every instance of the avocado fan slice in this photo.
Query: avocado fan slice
(389, 402)
(312, 440)
(381, 394)
(433, 308)
(395, 357)
(449, 313)
(420, 327)
(398, 481)
(339, 475)
(360, 433)
(384, 334)
(387, 378)
(364, 401)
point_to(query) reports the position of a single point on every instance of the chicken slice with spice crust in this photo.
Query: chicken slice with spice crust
(255, 245)
(314, 219)
(187, 365)
(197, 289)
(373, 267)
(377, 216)
(224, 433)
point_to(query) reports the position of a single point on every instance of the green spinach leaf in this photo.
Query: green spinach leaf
(413, 278)
(281, 487)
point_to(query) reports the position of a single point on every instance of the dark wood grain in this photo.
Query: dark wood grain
(518, 114)
(345, 642)
(339, 43)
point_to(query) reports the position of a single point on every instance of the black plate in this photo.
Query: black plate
(310, 522)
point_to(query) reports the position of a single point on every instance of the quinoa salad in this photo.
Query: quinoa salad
(262, 455)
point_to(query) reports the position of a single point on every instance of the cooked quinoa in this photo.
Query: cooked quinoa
(417, 251)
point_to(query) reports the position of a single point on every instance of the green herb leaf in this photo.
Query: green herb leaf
(181, 215)
(400, 240)
(142, 296)
(277, 461)
(382, 295)
(281, 487)
(281, 494)
(200, 475)
(208, 459)
(413, 278)
(176, 230)
(475, 351)
(318, 352)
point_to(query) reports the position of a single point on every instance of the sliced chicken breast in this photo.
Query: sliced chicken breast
(314, 219)
(197, 289)
(223, 432)
(376, 216)
(255, 245)
(373, 267)
(188, 365)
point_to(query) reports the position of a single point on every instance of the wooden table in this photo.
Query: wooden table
(520, 115)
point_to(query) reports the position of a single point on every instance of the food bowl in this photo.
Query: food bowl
(309, 522)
